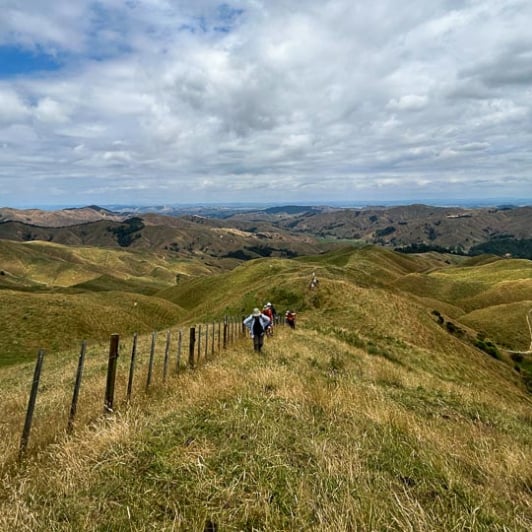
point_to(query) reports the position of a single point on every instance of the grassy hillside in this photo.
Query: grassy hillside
(484, 230)
(53, 296)
(492, 296)
(56, 322)
(190, 237)
(371, 415)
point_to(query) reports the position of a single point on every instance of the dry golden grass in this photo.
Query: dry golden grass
(502, 322)
(369, 416)
(315, 434)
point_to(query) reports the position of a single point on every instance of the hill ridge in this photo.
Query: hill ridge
(379, 410)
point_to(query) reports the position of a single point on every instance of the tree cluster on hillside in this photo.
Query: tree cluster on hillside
(421, 247)
(128, 231)
(517, 248)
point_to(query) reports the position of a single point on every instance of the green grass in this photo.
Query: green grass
(303, 438)
(369, 416)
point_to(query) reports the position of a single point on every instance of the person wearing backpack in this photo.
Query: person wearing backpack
(257, 323)
(274, 312)
(267, 311)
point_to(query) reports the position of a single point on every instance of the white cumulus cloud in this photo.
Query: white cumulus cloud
(169, 101)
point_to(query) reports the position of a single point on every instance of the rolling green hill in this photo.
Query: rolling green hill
(500, 291)
(54, 296)
(380, 411)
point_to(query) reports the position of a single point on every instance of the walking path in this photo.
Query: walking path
(529, 322)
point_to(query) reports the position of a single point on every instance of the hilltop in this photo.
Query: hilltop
(394, 405)
(410, 227)
(59, 218)
(243, 234)
(186, 236)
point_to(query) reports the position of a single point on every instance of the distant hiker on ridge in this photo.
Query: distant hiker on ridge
(257, 323)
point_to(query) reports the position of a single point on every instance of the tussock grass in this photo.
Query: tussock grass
(314, 434)
(369, 416)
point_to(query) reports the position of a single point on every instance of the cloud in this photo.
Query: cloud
(197, 101)
(408, 102)
(12, 107)
(51, 111)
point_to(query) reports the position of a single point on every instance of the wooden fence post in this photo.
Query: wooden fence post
(111, 373)
(77, 385)
(166, 354)
(150, 363)
(206, 341)
(191, 343)
(131, 368)
(225, 333)
(199, 344)
(31, 404)
(219, 335)
(213, 334)
(179, 342)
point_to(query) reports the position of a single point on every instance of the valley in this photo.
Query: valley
(397, 402)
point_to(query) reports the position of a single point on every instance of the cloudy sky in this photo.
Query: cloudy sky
(173, 101)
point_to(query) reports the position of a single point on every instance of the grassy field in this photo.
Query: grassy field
(374, 414)
(54, 296)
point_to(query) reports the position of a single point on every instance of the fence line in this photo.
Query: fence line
(203, 339)
(111, 374)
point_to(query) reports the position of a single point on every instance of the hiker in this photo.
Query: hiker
(290, 319)
(267, 311)
(274, 312)
(314, 282)
(257, 323)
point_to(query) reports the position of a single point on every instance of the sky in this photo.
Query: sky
(196, 101)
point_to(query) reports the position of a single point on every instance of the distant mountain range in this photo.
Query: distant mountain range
(235, 232)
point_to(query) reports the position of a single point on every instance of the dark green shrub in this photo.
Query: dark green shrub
(488, 347)
(128, 231)
(451, 327)
(517, 357)
(438, 316)
(518, 248)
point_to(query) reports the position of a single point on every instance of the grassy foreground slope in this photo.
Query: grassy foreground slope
(369, 416)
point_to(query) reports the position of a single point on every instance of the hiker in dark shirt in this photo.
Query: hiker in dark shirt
(272, 308)
(257, 323)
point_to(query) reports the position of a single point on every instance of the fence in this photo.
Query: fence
(144, 368)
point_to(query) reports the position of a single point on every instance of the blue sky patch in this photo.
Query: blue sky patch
(228, 14)
(15, 61)
(223, 21)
